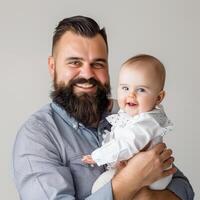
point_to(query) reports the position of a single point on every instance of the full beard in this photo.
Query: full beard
(86, 108)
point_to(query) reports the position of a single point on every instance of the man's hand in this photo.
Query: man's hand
(154, 164)
(142, 170)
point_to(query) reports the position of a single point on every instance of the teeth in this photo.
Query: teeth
(131, 104)
(84, 85)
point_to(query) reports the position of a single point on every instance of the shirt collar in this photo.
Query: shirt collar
(72, 121)
(64, 115)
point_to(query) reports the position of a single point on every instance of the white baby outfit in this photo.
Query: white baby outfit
(128, 136)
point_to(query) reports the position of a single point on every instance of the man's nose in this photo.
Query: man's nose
(87, 71)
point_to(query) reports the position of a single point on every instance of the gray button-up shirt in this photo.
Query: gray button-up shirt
(47, 159)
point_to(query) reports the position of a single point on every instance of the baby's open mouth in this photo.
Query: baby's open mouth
(131, 104)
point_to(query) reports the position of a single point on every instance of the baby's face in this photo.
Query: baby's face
(139, 89)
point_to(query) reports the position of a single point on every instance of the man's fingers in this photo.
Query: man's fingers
(165, 155)
(168, 163)
(159, 148)
(168, 172)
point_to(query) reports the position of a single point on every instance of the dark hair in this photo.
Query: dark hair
(80, 25)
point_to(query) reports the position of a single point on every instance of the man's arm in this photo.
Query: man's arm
(38, 169)
(38, 172)
(178, 189)
(181, 186)
(142, 170)
(147, 194)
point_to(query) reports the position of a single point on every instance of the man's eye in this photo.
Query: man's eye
(140, 90)
(125, 88)
(98, 65)
(75, 63)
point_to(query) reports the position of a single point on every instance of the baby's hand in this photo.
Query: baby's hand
(88, 159)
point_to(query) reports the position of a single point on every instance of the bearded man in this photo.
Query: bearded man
(50, 144)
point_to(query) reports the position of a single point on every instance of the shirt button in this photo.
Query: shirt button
(74, 125)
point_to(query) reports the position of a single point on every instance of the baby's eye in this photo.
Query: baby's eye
(125, 88)
(140, 90)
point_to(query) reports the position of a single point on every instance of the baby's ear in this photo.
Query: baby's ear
(160, 97)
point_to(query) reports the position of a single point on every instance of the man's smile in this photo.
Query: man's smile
(85, 85)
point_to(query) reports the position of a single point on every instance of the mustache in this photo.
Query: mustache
(91, 81)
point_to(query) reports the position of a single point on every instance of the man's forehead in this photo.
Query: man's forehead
(70, 36)
(74, 44)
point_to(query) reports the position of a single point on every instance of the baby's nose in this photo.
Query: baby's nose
(132, 94)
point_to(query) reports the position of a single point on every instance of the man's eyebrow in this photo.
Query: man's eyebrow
(100, 60)
(73, 58)
(79, 58)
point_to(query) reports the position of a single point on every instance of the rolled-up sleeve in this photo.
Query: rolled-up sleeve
(181, 186)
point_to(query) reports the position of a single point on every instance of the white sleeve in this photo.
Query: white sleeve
(128, 141)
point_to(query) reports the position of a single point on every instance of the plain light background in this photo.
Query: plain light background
(169, 30)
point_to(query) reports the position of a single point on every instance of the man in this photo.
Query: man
(49, 146)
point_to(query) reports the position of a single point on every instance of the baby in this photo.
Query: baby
(141, 120)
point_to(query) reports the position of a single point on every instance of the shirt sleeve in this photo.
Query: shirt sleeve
(104, 193)
(127, 141)
(39, 173)
(180, 185)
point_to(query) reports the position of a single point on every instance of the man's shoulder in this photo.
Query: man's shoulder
(39, 119)
(43, 114)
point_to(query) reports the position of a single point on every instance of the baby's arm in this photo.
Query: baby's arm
(88, 159)
(127, 142)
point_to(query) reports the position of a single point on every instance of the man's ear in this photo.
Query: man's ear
(160, 97)
(51, 66)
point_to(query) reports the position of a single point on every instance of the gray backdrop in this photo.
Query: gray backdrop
(167, 29)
